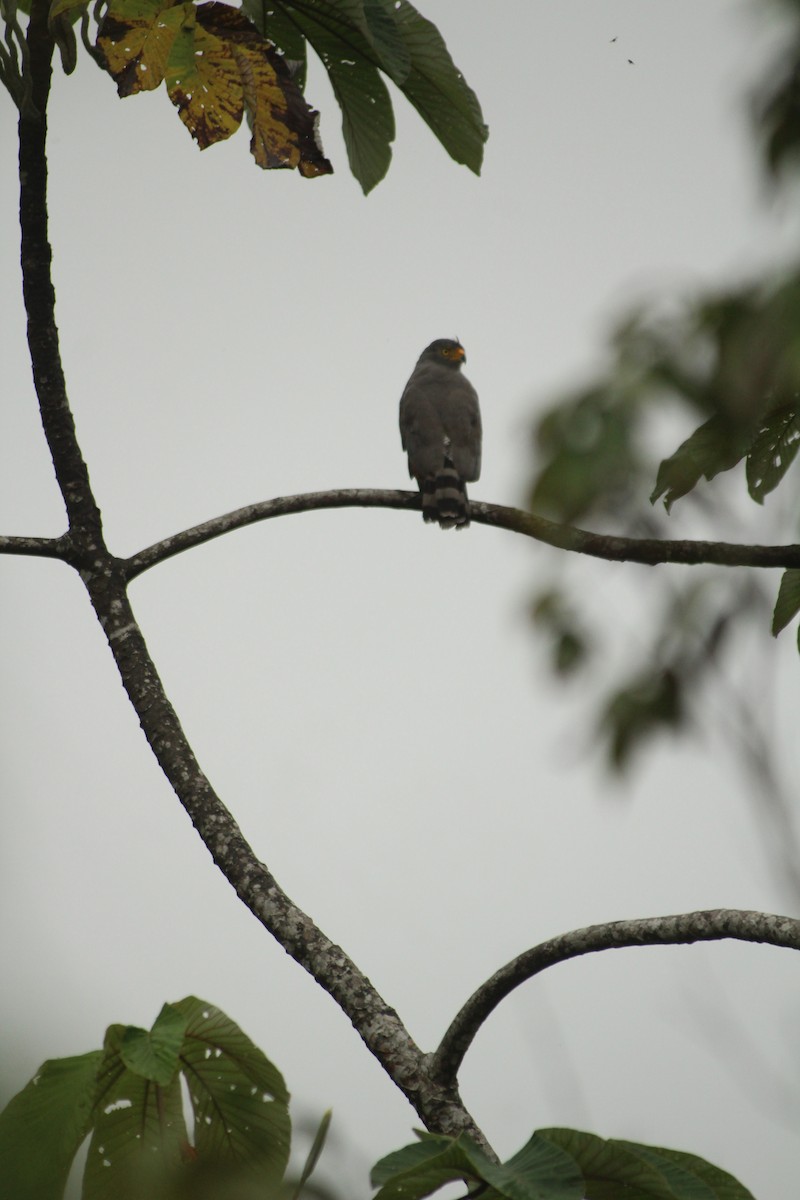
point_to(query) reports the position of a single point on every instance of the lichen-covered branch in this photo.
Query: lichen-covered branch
(683, 929)
(35, 547)
(105, 577)
(649, 551)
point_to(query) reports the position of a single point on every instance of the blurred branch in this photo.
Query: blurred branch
(649, 551)
(685, 928)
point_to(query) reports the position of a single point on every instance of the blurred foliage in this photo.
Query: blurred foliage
(555, 1164)
(129, 1098)
(725, 366)
(221, 62)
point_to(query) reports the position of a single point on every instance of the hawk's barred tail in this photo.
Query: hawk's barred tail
(444, 499)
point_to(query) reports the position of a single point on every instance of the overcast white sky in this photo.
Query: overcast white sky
(361, 689)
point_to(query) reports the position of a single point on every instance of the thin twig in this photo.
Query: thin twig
(683, 929)
(649, 551)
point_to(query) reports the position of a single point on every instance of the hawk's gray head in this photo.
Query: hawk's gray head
(448, 352)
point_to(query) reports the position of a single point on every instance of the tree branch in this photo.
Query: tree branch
(712, 925)
(36, 547)
(105, 579)
(649, 551)
(38, 291)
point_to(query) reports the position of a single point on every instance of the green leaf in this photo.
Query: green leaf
(723, 1185)
(652, 701)
(386, 40)
(539, 1171)
(609, 1169)
(341, 37)
(787, 605)
(612, 1169)
(42, 1127)
(684, 1184)
(773, 451)
(314, 1153)
(239, 1098)
(356, 40)
(139, 1130)
(154, 1055)
(438, 90)
(424, 1167)
(715, 446)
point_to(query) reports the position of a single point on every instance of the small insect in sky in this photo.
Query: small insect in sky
(630, 60)
(613, 39)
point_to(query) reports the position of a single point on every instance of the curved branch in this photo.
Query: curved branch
(105, 579)
(683, 929)
(648, 551)
(282, 506)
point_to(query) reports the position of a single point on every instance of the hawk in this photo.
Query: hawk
(440, 426)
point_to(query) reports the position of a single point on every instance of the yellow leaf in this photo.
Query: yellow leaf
(136, 38)
(204, 84)
(215, 63)
(284, 126)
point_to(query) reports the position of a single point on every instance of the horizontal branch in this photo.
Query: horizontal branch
(649, 551)
(35, 547)
(683, 929)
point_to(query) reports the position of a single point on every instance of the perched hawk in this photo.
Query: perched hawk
(440, 424)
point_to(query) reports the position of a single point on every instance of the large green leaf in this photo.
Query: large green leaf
(613, 1169)
(539, 1171)
(609, 1170)
(239, 1098)
(438, 90)
(342, 38)
(139, 1131)
(356, 40)
(425, 1166)
(42, 1127)
(367, 117)
(723, 1186)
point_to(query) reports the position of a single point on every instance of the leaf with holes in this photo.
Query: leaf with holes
(136, 39)
(356, 41)
(240, 1101)
(139, 1128)
(215, 64)
(773, 451)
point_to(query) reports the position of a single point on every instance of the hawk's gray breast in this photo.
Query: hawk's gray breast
(440, 425)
